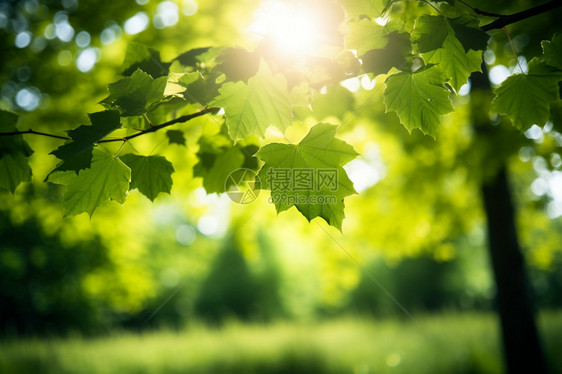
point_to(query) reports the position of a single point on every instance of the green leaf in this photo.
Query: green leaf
(251, 108)
(215, 180)
(552, 51)
(469, 34)
(191, 57)
(178, 82)
(371, 8)
(418, 99)
(365, 35)
(218, 158)
(77, 153)
(175, 137)
(108, 178)
(134, 95)
(454, 62)
(238, 64)
(14, 166)
(8, 121)
(139, 56)
(318, 153)
(14, 169)
(150, 174)
(11, 144)
(336, 102)
(430, 32)
(380, 61)
(526, 99)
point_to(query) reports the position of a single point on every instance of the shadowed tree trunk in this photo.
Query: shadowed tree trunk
(522, 348)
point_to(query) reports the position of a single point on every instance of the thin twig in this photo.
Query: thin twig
(30, 131)
(181, 119)
(504, 20)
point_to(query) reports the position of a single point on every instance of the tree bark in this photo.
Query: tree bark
(522, 349)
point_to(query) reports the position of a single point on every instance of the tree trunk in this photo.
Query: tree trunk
(522, 348)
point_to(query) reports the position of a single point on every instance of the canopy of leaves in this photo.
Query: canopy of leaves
(427, 53)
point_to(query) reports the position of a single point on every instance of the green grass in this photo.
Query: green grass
(448, 343)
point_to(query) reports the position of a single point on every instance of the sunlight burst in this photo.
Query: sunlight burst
(293, 27)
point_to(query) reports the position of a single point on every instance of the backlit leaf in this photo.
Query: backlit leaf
(251, 108)
(418, 99)
(552, 51)
(365, 35)
(318, 153)
(526, 98)
(107, 179)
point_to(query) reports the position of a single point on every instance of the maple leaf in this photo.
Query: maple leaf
(309, 175)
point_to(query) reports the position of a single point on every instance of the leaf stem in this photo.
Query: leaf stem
(513, 49)
(120, 148)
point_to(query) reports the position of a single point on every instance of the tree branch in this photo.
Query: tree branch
(30, 131)
(125, 138)
(504, 20)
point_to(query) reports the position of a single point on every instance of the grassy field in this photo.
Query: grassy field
(449, 343)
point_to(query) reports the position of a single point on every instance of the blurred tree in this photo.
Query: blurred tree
(42, 287)
(233, 290)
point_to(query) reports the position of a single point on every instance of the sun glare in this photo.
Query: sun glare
(293, 27)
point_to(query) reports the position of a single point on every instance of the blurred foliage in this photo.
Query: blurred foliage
(444, 343)
(233, 289)
(42, 287)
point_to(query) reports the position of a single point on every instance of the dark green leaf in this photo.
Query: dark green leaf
(190, 58)
(175, 137)
(552, 51)
(77, 153)
(469, 34)
(380, 61)
(218, 158)
(139, 56)
(12, 144)
(430, 32)
(14, 169)
(150, 174)
(134, 95)
(526, 98)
